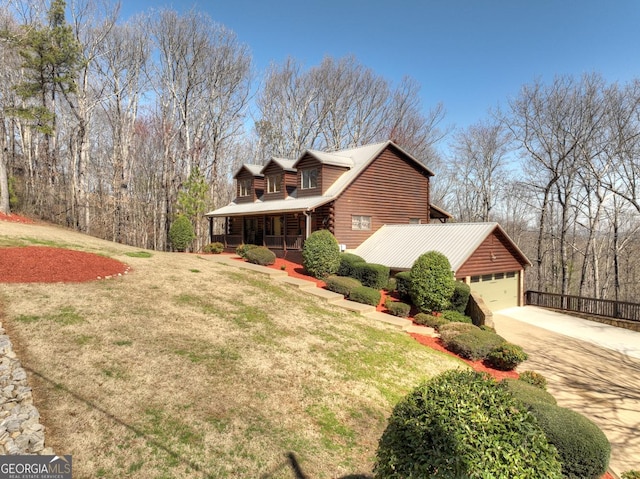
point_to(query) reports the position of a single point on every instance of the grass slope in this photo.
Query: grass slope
(191, 368)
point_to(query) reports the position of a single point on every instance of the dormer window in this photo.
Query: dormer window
(274, 183)
(309, 178)
(244, 187)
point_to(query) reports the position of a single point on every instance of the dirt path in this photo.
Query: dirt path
(600, 383)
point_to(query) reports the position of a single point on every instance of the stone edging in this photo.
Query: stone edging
(20, 428)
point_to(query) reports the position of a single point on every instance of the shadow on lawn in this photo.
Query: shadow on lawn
(292, 462)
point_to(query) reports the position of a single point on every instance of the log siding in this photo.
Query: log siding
(391, 190)
(495, 255)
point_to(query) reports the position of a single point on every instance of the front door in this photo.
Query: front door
(250, 231)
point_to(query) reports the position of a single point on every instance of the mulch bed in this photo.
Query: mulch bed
(43, 264)
(13, 218)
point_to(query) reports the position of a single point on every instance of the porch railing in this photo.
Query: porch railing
(598, 307)
(270, 241)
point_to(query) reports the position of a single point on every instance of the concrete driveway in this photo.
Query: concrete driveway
(590, 367)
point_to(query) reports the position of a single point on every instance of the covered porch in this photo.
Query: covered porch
(278, 232)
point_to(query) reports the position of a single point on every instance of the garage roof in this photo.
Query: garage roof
(398, 246)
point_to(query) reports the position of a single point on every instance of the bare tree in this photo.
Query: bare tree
(551, 124)
(480, 167)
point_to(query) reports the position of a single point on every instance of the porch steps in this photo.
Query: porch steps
(423, 330)
(363, 309)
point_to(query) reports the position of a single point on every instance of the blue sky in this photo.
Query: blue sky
(468, 54)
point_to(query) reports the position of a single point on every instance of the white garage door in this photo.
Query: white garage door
(498, 290)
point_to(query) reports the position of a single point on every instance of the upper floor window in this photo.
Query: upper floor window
(359, 222)
(309, 178)
(274, 183)
(244, 187)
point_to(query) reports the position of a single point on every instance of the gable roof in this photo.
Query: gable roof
(286, 165)
(398, 246)
(254, 170)
(357, 159)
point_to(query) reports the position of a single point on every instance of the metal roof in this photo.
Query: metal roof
(271, 206)
(398, 246)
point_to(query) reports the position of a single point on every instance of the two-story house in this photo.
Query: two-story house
(350, 192)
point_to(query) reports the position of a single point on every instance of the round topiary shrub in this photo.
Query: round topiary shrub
(475, 344)
(347, 263)
(583, 448)
(397, 308)
(527, 393)
(462, 424)
(449, 330)
(535, 379)
(260, 255)
(321, 254)
(213, 248)
(342, 284)
(506, 356)
(429, 320)
(181, 233)
(432, 282)
(365, 295)
(243, 248)
(460, 296)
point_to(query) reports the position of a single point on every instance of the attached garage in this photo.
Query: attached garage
(481, 254)
(498, 290)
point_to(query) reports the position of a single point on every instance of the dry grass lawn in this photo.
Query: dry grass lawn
(191, 368)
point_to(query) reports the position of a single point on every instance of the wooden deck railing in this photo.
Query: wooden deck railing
(579, 304)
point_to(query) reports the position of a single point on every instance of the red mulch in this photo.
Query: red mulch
(434, 343)
(296, 270)
(43, 264)
(13, 218)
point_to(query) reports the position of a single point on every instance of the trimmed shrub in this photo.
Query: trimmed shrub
(633, 474)
(460, 296)
(321, 254)
(583, 448)
(372, 275)
(449, 330)
(506, 356)
(403, 282)
(432, 282)
(347, 262)
(462, 424)
(341, 284)
(474, 344)
(181, 233)
(365, 295)
(527, 393)
(456, 317)
(213, 248)
(243, 248)
(435, 322)
(397, 308)
(391, 285)
(535, 379)
(260, 255)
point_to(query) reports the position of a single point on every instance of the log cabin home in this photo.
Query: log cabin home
(351, 192)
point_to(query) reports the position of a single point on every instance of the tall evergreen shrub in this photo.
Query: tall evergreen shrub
(181, 233)
(321, 254)
(432, 282)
